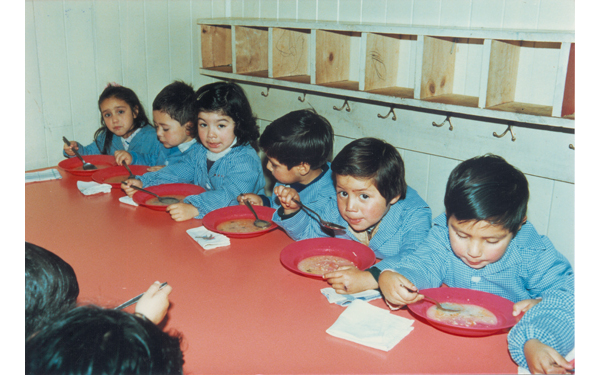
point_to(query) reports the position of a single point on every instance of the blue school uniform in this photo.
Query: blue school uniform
(530, 268)
(402, 228)
(239, 171)
(145, 141)
(165, 156)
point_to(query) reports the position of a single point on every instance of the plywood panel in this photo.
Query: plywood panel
(290, 52)
(437, 77)
(502, 78)
(214, 42)
(251, 46)
(332, 56)
(381, 66)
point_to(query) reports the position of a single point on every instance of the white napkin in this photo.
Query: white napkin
(371, 326)
(128, 200)
(346, 299)
(569, 357)
(89, 188)
(207, 239)
(48, 174)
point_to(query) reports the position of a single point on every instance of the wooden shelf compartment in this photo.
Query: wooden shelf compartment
(251, 51)
(215, 48)
(290, 54)
(336, 59)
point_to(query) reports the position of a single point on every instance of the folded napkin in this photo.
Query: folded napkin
(371, 326)
(346, 299)
(128, 200)
(89, 188)
(569, 357)
(48, 174)
(207, 239)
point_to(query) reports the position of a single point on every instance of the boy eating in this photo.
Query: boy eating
(484, 242)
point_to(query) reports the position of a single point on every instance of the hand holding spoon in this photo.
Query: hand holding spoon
(86, 166)
(258, 222)
(326, 224)
(439, 306)
(163, 200)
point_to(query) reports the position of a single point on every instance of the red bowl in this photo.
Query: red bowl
(101, 175)
(141, 197)
(71, 165)
(362, 256)
(499, 306)
(212, 219)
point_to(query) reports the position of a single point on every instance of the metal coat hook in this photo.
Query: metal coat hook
(443, 122)
(388, 115)
(342, 107)
(267, 94)
(571, 146)
(509, 129)
(302, 98)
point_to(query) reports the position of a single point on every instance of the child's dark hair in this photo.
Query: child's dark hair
(93, 340)
(51, 287)
(229, 99)
(128, 96)
(177, 100)
(300, 136)
(487, 188)
(376, 160)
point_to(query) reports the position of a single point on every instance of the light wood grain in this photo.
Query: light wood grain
(437, 76)
(502, 76)
(251, 48)
(215, 46)
(332, 57)
(381, 65)
(290, 52)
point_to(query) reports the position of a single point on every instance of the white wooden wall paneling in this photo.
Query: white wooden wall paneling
(181, 43)
(135, 51)
(157, 40)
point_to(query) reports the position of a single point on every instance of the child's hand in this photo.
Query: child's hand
(126, 186)
(154, 303)
(350, 280)
(286, 196)
(155, 168)
(524, 305)
(69, 149)
(123, 156)
(394, 286)
(254, 199)
(182, 211)
(542, 359)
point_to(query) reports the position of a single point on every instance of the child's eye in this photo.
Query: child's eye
(202, 125)
(121, 112)
(343, 194)
(492, 241)
(364, 196)
(221, 126)
(107, 115)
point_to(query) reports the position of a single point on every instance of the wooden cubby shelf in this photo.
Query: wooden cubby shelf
(511, 75)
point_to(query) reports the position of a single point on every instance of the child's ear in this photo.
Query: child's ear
(135, 111)
(303, 168)
(188, 125)
(394, 200)
(522, 222)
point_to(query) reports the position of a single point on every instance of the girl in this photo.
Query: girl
(226, 166)
(122, 115)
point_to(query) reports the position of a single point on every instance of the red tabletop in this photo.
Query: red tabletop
(238, 308)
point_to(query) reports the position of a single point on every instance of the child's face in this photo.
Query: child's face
(360, 203)
(282, 173)
(478, 243)
(169, 131)
(215, 131)
(117, 116)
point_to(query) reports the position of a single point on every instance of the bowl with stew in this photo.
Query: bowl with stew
(179, 191)
(114, 175)
(237, 221)
(75, 166)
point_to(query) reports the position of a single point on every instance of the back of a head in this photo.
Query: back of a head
(487, 188)
(299, 136)
(51, 287)
(177, 100)
(374, 159)
(92, 340)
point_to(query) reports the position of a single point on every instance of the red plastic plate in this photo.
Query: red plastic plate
(499, 306)
(73, 165)
(101, 175)
(141, 197)
(212, 219)
(362, 256)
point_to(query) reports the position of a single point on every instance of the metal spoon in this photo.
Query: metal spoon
(131, 175)
(326, 224)
(135, 299)
(165, 200)
(439, 306)
(258, 222)
(86, 166)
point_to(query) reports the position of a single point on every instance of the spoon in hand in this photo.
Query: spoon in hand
(439, 306)
(164, 200)
(258, 222)
(131, 175)
(326, 224)
(86, 166)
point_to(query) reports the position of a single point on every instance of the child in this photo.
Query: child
(92, 340)
(173, 113)
(484, 242)
(375, 204)
(297, 147)
(122, 115)
(226, 166)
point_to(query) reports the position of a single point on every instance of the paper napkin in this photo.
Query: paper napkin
(371, 326)
(48, 174)
(346, 299)
(207, 239)
(128, 200)
(89, 188)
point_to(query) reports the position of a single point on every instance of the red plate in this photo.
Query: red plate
(70, 165)
(177, 189)
(499, 306)
(100, 176)
(218, 216)
(362, 256)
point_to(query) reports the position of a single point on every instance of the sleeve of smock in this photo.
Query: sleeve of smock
(182, 172)
(408, 234)
(156, 156)
(91, 149)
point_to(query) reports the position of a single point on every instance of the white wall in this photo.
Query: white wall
(73, 48)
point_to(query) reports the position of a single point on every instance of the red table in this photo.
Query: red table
(238, 308)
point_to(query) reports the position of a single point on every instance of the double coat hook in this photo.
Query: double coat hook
(391, 112)
(443, 122)
(509, 129)
(342, 107)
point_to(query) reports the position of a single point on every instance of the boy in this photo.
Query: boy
(373, 201)
(297, 147)
(484, 242)
(173, 115)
